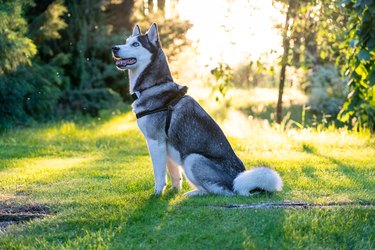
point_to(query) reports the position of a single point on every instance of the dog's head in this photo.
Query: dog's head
(138, 49)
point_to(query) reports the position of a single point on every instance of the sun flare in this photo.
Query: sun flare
(232, 31)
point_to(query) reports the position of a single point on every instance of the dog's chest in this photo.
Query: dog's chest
(153, 129)
(152, 126)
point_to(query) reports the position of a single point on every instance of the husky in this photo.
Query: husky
(178, 131)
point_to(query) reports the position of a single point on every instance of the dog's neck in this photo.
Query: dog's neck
(154, 73)
(156, 96)
(133, 77)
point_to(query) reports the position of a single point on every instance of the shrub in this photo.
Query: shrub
(326, 90)
(30, 93)
(87, 101)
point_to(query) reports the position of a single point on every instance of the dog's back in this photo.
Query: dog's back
(194, 132)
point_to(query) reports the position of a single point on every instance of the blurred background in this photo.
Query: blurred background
(304, 63)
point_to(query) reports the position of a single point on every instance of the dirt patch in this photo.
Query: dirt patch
(12, 212)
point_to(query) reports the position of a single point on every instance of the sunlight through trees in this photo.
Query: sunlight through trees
(56, 61)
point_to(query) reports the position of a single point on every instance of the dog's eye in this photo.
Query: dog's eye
(135, 44)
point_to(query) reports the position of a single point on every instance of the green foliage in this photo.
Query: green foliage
(24, 97)
(29, 86)
(223, 75)
(326, 90)
(258, 73)
(317, 30)
(88, 39)
(342, 32)
(89, 101)
(50, 53)
(15, 47)
(359, 108)
(55, 56)
(85, 41)
(172, 30)
(47, 25)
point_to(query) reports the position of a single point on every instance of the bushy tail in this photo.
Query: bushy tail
(257, 178)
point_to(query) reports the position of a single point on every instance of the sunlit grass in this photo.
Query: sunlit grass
(96, 176)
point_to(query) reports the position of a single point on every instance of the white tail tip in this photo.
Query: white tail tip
(257, 178)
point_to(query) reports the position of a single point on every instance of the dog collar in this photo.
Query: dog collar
(137, 94)
(181, 93)
(168, 108)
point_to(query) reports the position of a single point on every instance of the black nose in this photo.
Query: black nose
(115, 48)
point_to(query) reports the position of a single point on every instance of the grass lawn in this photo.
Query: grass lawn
(95, 178)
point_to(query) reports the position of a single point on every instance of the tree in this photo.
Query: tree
(94, 81)
(312, 35)
(284, 60)
(15, 47)
(360, 68)
(30, 83)
(55, 56)
(173, 29)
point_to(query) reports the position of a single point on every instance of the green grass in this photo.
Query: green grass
(96, 177)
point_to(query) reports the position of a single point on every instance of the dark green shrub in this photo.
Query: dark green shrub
(30, 93)
(88, 101)
(326, 90)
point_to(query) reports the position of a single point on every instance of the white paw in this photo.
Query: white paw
(195, 192)
(159, 189)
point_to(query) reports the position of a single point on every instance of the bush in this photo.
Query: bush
(28, 94)
(31, 74)
(88, 101)
(326, 90)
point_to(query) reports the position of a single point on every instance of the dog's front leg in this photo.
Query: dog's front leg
(158, 153)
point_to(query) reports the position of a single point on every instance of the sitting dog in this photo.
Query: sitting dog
(177, 129)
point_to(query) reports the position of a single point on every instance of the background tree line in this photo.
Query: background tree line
(55, 57)
(329, 48)
(335, 40)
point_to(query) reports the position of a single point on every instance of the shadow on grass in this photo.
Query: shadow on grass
(140, 228)
(359, 176)
(268, 112)
(192, 224)
(294, 112)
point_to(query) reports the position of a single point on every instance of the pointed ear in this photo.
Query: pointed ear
(136, 31)
(152, 34)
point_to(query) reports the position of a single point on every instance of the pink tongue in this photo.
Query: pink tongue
(124, 61)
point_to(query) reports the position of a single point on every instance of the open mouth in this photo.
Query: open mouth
(123, 62)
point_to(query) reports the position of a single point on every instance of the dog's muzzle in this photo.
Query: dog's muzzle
(115, 49)
(122, 62)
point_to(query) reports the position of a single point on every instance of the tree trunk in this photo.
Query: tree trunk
(311, 46)
(150, 5)
(161, 5)
(284, 62)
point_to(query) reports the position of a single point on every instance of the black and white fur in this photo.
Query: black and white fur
(194, 141)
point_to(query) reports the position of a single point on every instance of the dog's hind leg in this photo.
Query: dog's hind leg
(195, 192)
(214, 188)
(175, 174)
(203, 174)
